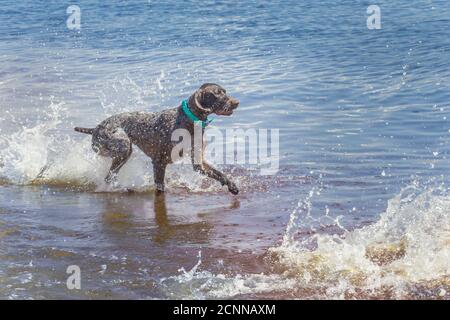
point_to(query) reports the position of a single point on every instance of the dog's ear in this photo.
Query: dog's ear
(208, 99)
(204, 100)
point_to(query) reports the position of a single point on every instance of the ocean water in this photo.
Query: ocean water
(360, 205)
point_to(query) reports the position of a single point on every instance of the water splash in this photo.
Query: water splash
(188, 275)
(407, 246)
(26, 152)
(405, 254)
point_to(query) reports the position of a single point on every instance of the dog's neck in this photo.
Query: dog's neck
(199, 112)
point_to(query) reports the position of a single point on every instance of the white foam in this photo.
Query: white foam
(419, 221)
(411, 241)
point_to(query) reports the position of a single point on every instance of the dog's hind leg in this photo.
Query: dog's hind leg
(117, 163)
(122, 149)
(114, 144)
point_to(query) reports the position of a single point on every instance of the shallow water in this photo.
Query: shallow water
(358, 209)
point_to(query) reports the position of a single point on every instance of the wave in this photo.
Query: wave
(405, 254)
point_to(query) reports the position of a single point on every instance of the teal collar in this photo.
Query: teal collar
(192, 116)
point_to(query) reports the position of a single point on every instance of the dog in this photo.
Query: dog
(152, 133)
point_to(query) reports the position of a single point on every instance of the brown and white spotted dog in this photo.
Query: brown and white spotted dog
(152, 133)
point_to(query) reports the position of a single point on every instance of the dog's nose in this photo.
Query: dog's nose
(234, 102)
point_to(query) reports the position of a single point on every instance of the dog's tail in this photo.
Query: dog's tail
(84, 130)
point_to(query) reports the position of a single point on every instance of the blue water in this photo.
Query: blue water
(362, 113)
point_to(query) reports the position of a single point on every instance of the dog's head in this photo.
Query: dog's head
(212, 98)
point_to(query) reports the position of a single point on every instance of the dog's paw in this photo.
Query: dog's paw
(233, 188)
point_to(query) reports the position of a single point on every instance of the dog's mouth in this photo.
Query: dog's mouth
(228, 109)
(226, 112)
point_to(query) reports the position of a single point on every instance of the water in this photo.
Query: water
(358, 209)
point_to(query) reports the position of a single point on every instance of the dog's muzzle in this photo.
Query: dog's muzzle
(234, 103)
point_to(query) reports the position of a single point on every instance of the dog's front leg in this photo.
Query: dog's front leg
(159, 171)
(208, 170)
(200, 165)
